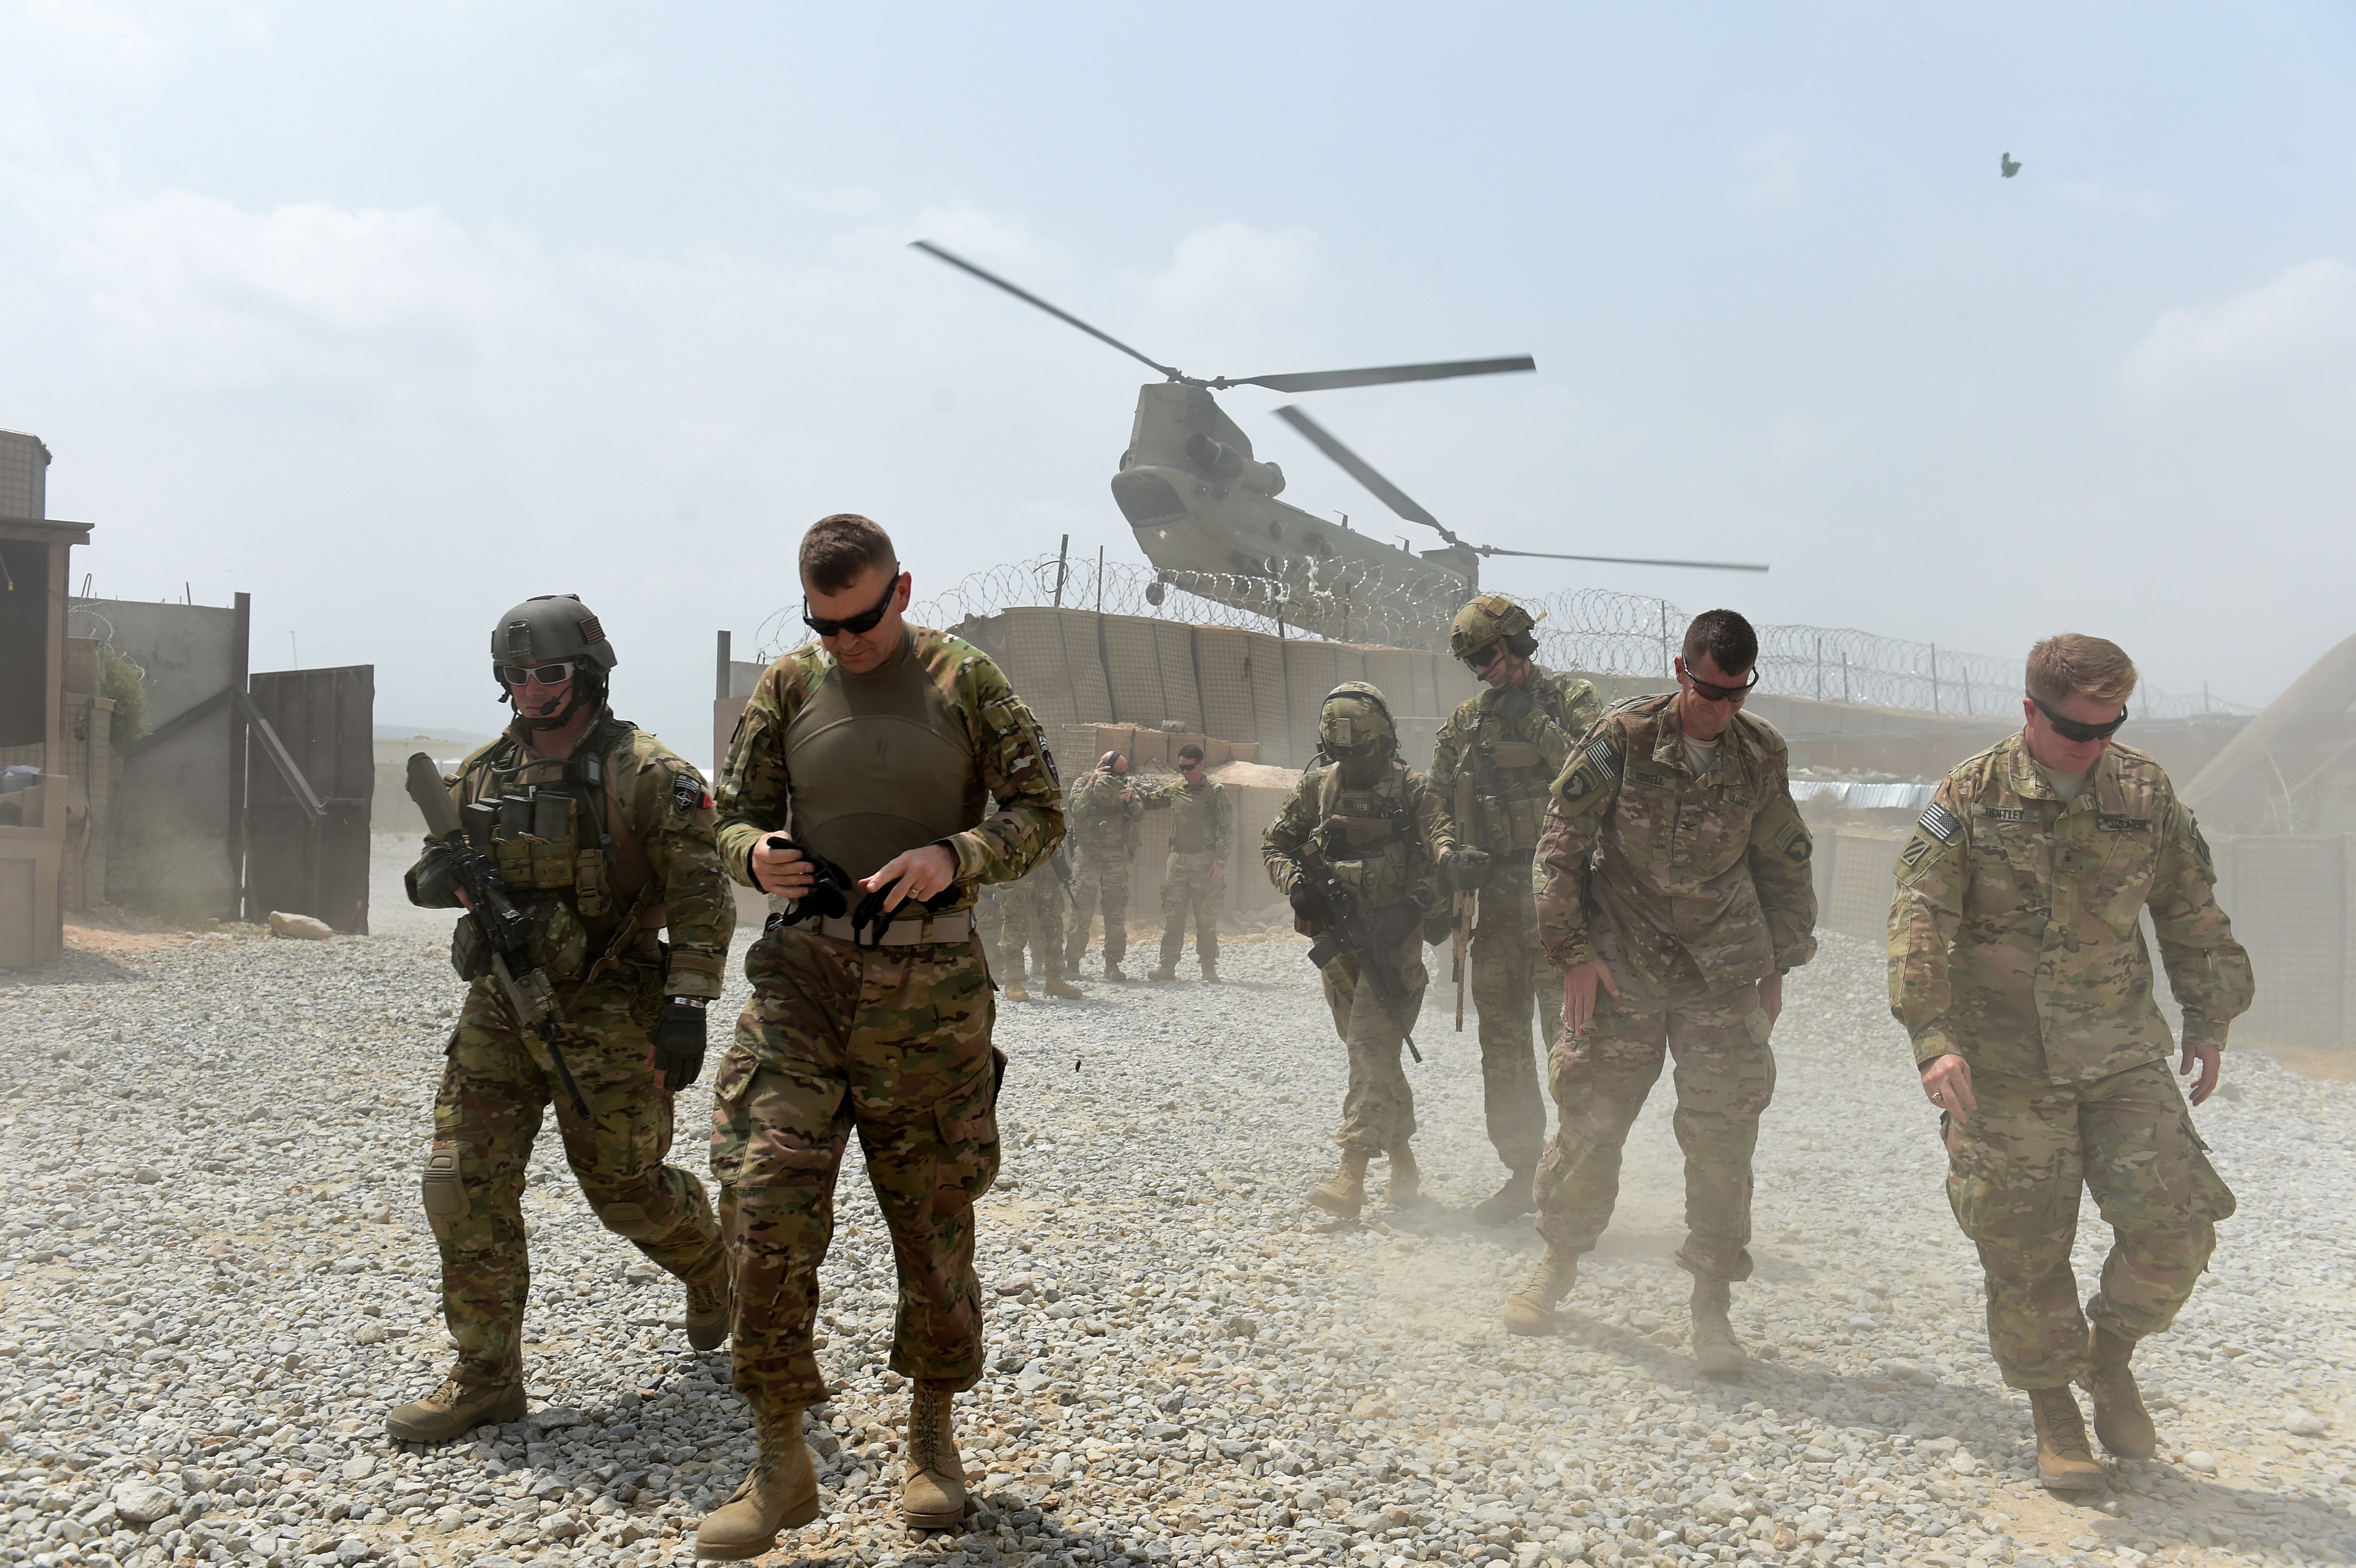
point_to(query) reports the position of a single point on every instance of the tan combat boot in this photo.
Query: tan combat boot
(1344, 1192)
(2063, 1462)
(1113, 970)
(1015, 992)
(933, 1496)
(455, 1409)
(1163, 973)
(1062, 989)
(1531, 1310)
(781, 1492)
(2120, 1420)
(1716, 1349)
(1407, 1181)
(710, 1306)
(1509, 1202)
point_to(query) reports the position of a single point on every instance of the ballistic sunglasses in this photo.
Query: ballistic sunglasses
(555, 673)
(2071, 730)
(859, 624)
(1721, 693)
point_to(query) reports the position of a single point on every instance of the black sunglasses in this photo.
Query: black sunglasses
(1721, 693)
(858, 624)
(1481, 658)
(2072, 729)
(555, 673)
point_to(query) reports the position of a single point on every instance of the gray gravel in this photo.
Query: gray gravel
(216, 1278)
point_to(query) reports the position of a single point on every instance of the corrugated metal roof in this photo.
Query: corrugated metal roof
(1865, 796)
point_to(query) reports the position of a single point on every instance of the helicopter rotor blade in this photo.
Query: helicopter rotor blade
(1489, 550)
(1378, 376)
(1358, 468)
(930, 249)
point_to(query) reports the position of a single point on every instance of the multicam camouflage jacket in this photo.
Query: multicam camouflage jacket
(1509, 747)
(2016, 938)
(1384, 843)
(622, 824)
(1100, 818)
(962, 763)
(1684, 886)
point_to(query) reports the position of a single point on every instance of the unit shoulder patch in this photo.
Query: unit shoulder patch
(687, 793)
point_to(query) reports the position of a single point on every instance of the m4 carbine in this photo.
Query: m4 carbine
(1348, 930)
(506, 930)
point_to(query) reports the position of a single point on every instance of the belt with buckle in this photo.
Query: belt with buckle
(957, 926)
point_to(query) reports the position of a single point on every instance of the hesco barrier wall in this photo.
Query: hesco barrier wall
(2289, 899)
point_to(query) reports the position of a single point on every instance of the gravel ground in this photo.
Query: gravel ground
(216, 1278)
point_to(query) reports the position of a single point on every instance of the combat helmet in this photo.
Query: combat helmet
(1353, 714)
(1488, 618)
(544, 629)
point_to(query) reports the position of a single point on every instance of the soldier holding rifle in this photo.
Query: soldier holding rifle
(1362, 851)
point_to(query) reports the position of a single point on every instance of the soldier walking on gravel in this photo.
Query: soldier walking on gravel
(1676, 882)
(872, 754)
(2018, 965)
(1385, 837)
(604, 838)
(1202, 836)
(1494, 763)
(1103, 809)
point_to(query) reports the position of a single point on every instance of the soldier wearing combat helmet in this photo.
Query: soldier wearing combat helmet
(2018, 965)
(1383, 835)
(1676, 894)
(881, 770)
(604, 838)
(1494, 763)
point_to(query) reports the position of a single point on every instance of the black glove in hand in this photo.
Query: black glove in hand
(678, 1043)
(1467, 868)
(1307, 901)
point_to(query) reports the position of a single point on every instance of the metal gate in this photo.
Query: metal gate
(311, 773)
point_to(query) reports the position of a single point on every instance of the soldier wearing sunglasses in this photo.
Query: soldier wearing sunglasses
(2018, 965)
(1674, 892)
(902, 758)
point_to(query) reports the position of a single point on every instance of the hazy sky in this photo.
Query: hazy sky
(394, 316)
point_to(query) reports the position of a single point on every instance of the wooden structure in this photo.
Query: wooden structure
(33, 575)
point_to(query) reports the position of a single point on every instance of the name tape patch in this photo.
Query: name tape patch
(1940, 823)
(2110, 823)
(2002, 813)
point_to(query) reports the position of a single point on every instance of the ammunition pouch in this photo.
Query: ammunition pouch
(1438, 922)
(534, 865)
(470, 955)
(560, 942)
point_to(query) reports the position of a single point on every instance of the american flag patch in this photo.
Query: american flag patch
(1940, 823)
(1606, 760)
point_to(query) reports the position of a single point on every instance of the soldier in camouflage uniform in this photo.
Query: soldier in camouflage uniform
(1494, 763)
(1202, 837)
(1103, 809)
(2018, 965)
(607, 841)
(1386, 834)
(878, 747)
(1676, 878)
(1028, 915)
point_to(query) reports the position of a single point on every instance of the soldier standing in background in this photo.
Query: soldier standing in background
(2018, 965)
(1676, 882)
(1494, 763)
(1386, 834)
(878, 746)
(1103, 808)
(1030, 916)
(1202, 836)
(607, 839)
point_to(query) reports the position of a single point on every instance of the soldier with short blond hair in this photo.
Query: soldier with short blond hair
(2018, 965)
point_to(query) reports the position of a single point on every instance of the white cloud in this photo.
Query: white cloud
(1767, 173)
(125, 36)
(2306, 316)
(1231, 264)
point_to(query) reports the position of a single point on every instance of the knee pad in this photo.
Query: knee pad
(629, 1220)
(443, 1188)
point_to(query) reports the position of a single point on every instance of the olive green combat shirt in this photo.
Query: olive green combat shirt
(644, 822)
(2016, 936)
(1684, 886)
(1515, 744)
(1203, 818)
(1012, 806)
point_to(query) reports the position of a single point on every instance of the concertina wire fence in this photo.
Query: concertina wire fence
(1592, 630)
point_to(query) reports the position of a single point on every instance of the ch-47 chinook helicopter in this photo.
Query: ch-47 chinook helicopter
(1206, 513)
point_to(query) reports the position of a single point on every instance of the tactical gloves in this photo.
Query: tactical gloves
(1466, 869)
(1307, 901)
(678, 1042)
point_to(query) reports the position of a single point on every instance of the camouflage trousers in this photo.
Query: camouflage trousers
(2014, 1172)
(1190, 888)
(1508, 976)
(892, 1043)
(1725, 1076)
(495, 1084)
(1020, 917)
(1378, 1108)
(1099, 884)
